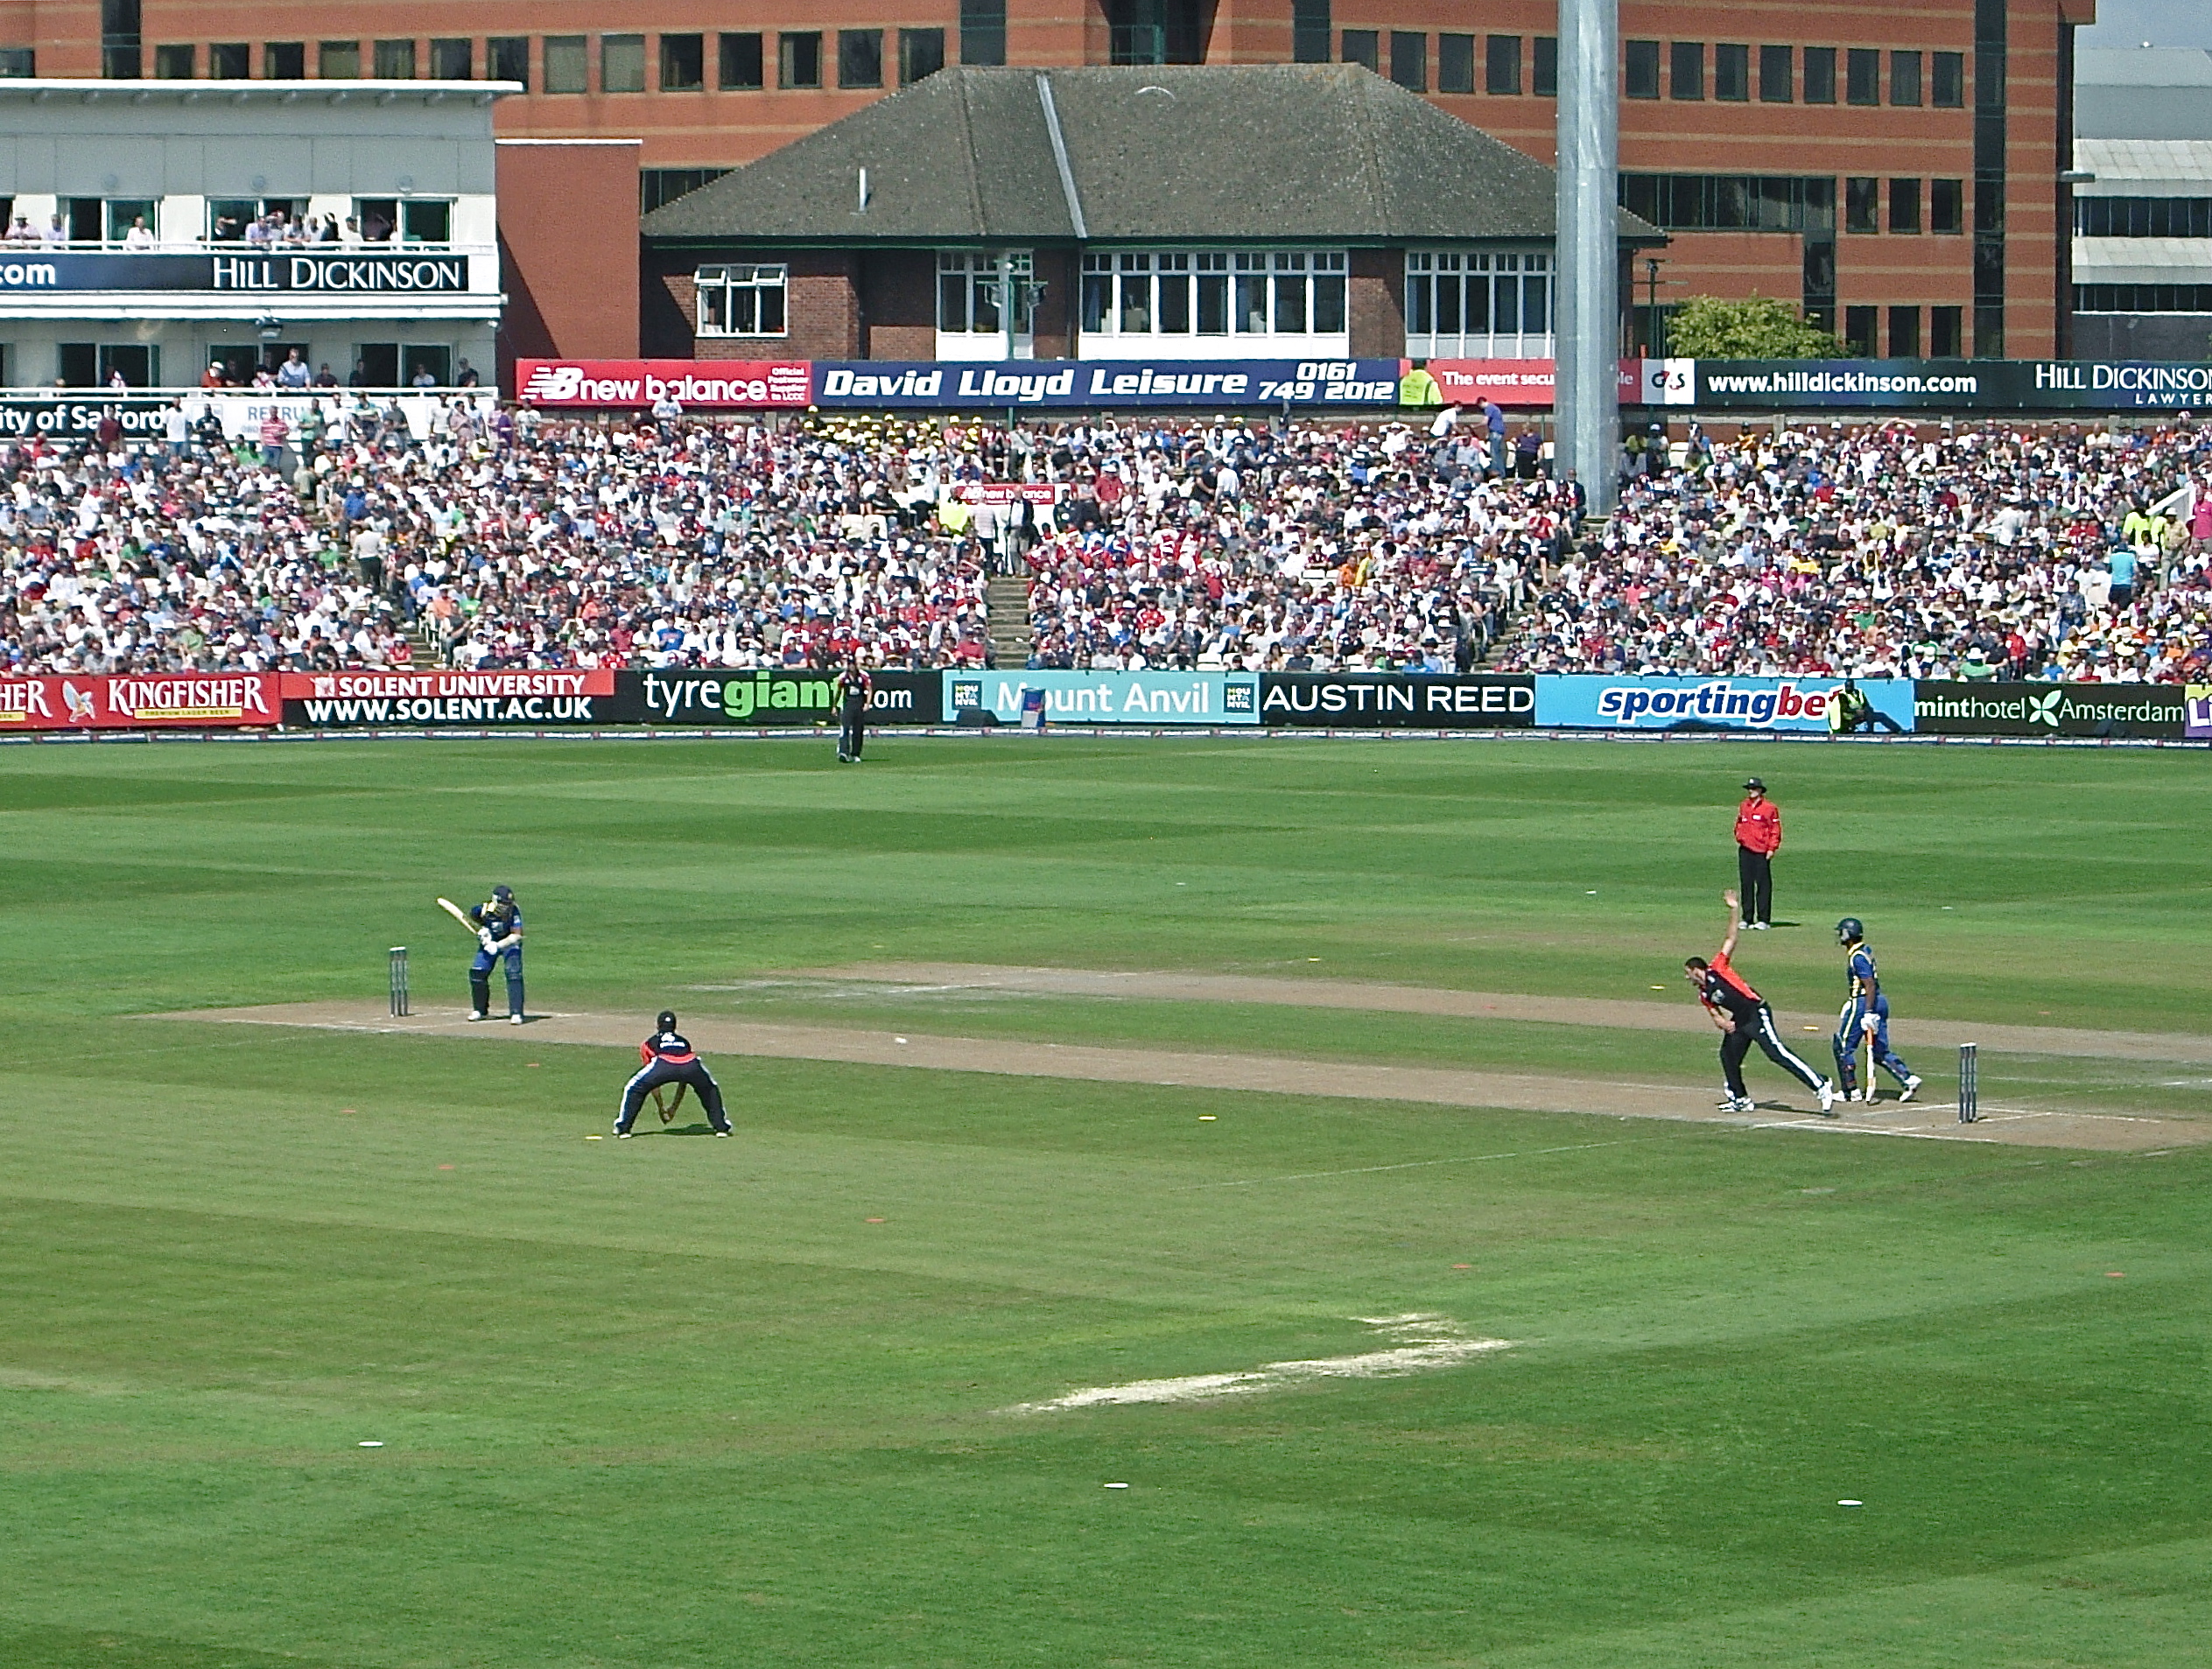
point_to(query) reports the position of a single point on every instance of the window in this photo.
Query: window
(860, 58)
(377, 217)
(1947, 205)
(125, 212)
(230, 61)
(1820, 76)
(2188, 217)
(798, 60)
(659, 185)
(1904, 333)
(1363, 46)
(741, 301)
(1862, 204)
(1776, 65)
(395, 60)
(1409, 60)
(1944, 337)
(2143, 298)
(1543, 75)
(507, 59)
(1309, 22)
(338, 61)
(1733, 73)
(175, 63)
(1904, 87)
(1484, 304)
(1143, 294)
(1641, 80)
(139, 364)
(983, 32)
(378, 363)
(1863, 76)
(453, 60)
(740, 61)
(284, 60)
(1732, 202)
(921, 54)
(427, 365)
(566, 61)
(1949, 89)
(17, 64)
(1859, 324)
(1455, 63)
(1501, 63)
(1686, 76)
(970, 285)
(423, 221)
(621, 63)
(1905, 205)
(119, 39)
(683, 63)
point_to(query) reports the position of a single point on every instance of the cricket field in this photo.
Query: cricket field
(1194, 1202)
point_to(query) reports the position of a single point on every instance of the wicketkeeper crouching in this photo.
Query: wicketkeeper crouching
(669, 1059)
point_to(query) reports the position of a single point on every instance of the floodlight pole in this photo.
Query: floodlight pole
(1588, 393)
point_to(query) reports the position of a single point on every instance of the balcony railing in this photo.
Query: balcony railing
(20, 247)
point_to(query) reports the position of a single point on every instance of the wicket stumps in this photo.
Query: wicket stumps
(1969, 1102)
(399, 982)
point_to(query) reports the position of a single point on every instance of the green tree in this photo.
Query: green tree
(1761, 327)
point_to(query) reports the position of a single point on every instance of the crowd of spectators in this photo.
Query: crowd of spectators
(1974, 553)
(454, 532)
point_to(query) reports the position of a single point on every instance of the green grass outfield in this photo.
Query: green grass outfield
(683, 1402)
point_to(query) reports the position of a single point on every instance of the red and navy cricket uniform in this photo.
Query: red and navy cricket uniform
(669, 1059)
(1725, 992)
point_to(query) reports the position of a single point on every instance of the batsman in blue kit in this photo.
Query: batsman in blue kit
(1865, 1014)
(499, 933)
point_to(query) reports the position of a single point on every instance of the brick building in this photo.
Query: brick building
(1290, 212)
(1895, 167)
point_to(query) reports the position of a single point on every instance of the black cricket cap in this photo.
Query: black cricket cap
(1753, 782)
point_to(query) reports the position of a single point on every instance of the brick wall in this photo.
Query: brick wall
(1378, 303)
(898, 299)
(822, 303)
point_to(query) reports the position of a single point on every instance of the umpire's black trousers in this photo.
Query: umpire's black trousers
(1755, 884)
(655, 1073)
(852, 731)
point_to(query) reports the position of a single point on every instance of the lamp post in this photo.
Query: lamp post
(1588, 247)
(1658, 326)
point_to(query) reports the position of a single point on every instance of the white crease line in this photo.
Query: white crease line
(1426, 1343)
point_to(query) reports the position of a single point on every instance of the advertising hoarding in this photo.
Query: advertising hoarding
(1525, 383)
(1397, 700)
(705, 385)
(1580, 701)
(1152, 699)
(1949, 385)
(2112, 711)
(208, 700)
(953, 385)
(29, 270)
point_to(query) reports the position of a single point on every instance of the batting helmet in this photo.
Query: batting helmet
(1849, 930)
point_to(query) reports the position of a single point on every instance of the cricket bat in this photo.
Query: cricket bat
(459, 915)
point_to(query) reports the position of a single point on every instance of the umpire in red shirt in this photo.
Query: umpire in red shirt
(1758, 835)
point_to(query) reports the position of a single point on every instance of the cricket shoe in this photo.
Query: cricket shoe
(623, 1135)
(514, 1019)
(1827, 1099)
(725, 1132)
(1911, 1085)
(478, 1014)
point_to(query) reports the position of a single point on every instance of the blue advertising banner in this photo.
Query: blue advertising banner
(1581, 701)
(1147, 699)
(953, 385)
(1934, 385)
(25, 270)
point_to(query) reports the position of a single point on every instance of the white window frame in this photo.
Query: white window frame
(1210, 303)
(732, 299)
(969, 304)
(1453, 304)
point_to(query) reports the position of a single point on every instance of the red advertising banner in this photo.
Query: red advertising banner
(1517, 382)
(728, 385)
(364, 685)
(201, 700)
